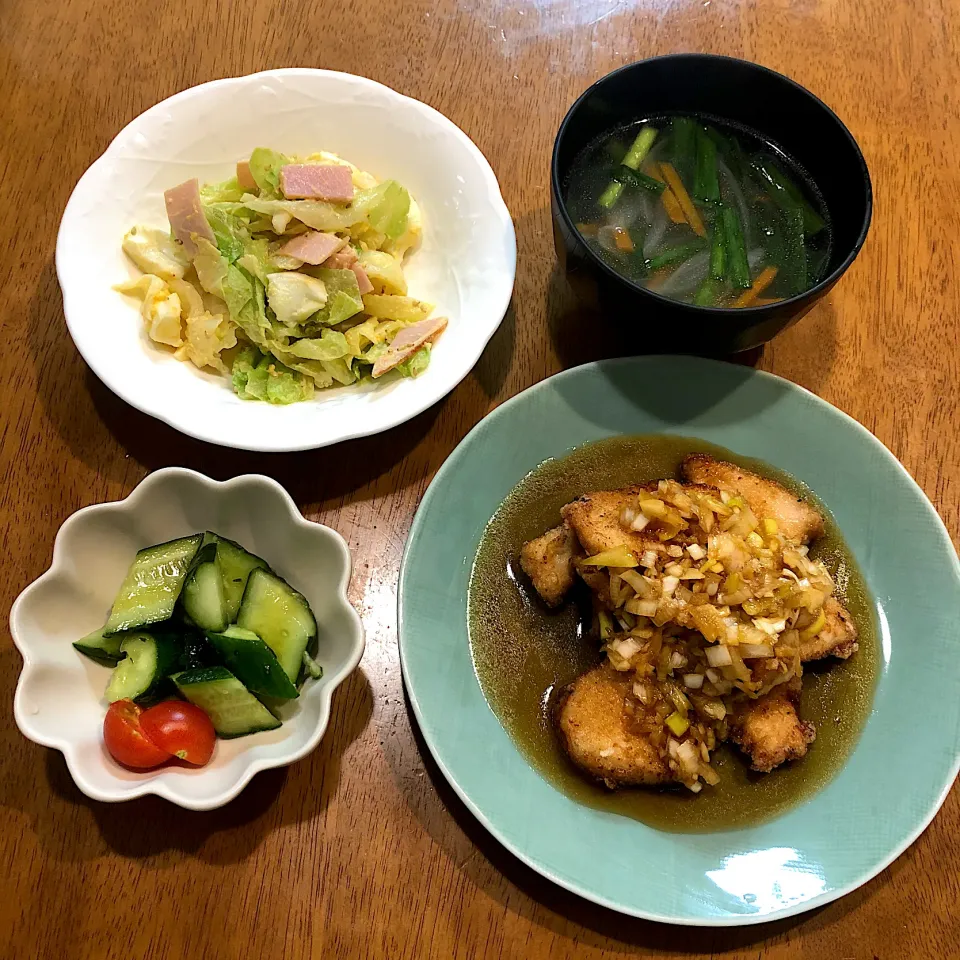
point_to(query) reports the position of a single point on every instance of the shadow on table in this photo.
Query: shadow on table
(580, 334)
(553, 907)
(150, 827)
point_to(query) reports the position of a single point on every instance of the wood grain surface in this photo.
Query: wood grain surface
(360, 850)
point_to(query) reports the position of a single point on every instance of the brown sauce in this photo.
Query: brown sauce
(524, 654)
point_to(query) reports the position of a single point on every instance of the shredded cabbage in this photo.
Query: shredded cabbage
(207, 336)
(257, 376)
(416, 364)
(265, 166)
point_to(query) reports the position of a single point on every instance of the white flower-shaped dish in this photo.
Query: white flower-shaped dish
(465, 264)
(59, 699)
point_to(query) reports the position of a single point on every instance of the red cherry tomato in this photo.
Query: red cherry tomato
(126, 740)
(182, 729)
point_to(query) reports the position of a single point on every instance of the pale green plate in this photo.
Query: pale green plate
(907, 757)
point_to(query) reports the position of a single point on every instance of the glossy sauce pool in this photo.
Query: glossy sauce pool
(524, 654)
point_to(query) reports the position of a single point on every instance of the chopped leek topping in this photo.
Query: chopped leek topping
(808, 633)
(616, 557)
(677, 723)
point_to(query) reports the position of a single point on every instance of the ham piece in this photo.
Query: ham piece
(363, 281)
(312, 246)
(316, 181)
(245, 177)
(185, 213)
(408, 341)
(343, 259)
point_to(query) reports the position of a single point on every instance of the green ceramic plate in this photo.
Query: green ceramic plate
(899, 772)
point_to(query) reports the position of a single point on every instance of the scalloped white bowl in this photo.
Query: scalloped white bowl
(465, 264)
(59, 699)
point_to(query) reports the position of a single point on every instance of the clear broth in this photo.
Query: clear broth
(524, 654)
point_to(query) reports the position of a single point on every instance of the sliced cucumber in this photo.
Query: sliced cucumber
(203, 595)
(150, 590)
(236, 565)
(105, 650)
(147, 662)
(233, 710)
(310, 666)
(253, 663)
(280, 617)
(197, 651)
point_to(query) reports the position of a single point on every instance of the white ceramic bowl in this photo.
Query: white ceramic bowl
(465, 264)
(59, 699)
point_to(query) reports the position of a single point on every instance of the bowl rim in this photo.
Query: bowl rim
(392, 415)
(152, 785)
(923, 820)
(787, 303)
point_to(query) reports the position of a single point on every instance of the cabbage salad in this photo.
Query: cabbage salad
(288, 277)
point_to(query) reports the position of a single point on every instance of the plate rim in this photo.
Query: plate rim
(391, 418)
(729, 920)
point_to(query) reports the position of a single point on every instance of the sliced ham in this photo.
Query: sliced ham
(363, 281)
(343, 259)
(244, 176)
(185, 213)
(312, 246)
(316, 181)
(408, 341)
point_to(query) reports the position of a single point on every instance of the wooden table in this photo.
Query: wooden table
(360, 850)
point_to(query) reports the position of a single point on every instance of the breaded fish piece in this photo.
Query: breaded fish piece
(796, 519)
(837, 638)
(591, 721)
(769, 730)
(595, 519)
(548, 562)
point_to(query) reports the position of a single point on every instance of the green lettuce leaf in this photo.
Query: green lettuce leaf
(211, 267)
(256, 259)
(245, 369)
(227, 192)
(416, 364)
(340, 370)
(331, 345)
(317, 214)
(258, 376)
(343, 296)
(230, 231)
(265, 167)
(389, 208)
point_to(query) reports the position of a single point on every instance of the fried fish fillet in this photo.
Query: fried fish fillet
(837, 638)
(769, 730)
(796, 519)
(591, 720)
(548, 562)
(595, 519)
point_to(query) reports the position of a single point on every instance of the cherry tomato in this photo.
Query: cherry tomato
(126, 740)
(182, 729)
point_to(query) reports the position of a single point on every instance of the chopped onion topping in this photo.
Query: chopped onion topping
(719, 656)
(753, 650)
(693, 681)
